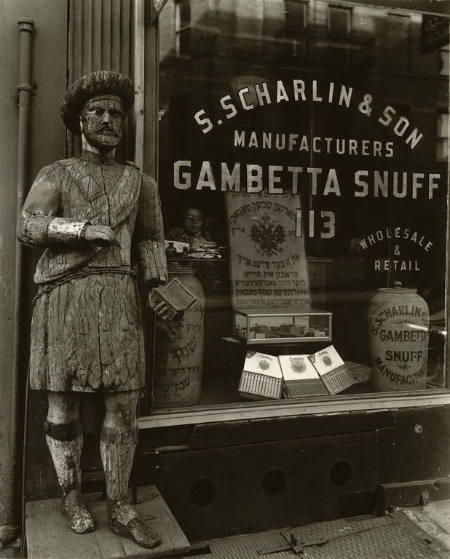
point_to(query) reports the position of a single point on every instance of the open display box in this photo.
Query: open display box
(260, 326)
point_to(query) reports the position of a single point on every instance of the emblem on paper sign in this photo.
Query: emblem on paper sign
(268, 236)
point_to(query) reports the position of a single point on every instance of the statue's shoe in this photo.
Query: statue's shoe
(74, 509)
(127, 523)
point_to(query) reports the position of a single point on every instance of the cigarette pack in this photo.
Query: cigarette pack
(300, 377)
(261, 377)
(332, 370)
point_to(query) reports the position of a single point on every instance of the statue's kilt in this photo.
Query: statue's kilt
(87, 335)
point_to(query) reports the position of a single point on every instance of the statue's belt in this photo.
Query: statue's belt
(43, 289)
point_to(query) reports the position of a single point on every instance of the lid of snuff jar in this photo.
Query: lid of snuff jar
(397, 287)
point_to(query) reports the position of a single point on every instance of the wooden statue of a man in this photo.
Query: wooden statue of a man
(100, 223)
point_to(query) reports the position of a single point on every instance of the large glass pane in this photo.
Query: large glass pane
(303, 177)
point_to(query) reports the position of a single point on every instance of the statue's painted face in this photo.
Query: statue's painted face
(101, 121)
(193, 221)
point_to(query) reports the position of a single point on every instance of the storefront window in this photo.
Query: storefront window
(303, 178)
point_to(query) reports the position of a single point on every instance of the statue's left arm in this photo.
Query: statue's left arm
(149, 237)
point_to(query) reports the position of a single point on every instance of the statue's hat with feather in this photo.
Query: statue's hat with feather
(102, 82)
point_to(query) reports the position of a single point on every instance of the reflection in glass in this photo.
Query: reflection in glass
(344, 108)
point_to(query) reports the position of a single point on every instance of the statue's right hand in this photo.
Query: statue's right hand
(100, 235)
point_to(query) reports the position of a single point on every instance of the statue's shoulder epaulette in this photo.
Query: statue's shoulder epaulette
(132, 164)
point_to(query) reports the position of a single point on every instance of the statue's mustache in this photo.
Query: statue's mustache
(106, 129)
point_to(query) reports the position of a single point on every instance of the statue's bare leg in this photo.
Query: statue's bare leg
(65, 441)
(117, 445)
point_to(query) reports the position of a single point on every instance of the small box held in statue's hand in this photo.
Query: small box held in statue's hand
(175, 295)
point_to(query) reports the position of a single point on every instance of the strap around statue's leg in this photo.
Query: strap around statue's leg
(65, 442)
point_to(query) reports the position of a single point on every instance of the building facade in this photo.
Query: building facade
(301, 150)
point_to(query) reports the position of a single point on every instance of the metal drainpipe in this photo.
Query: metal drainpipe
(25, 91)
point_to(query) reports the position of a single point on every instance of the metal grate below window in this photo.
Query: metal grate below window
(388, 537)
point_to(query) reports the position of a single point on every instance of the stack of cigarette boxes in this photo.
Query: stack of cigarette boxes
(291, 376)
